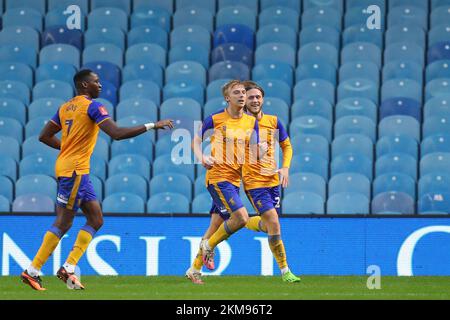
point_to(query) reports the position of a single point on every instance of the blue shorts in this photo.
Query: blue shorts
(73, 191)
(264, 199)
(225, 197)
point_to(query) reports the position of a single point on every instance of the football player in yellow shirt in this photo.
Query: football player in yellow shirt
(79, 119)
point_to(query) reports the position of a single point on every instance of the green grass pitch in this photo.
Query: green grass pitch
(229, 287)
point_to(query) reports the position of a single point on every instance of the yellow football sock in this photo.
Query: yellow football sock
(279, 253)
(220, 235)
(254, 223)
(198, 261)
(49, 243)
(80, 246)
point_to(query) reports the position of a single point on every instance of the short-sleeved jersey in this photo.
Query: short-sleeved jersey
(230, 141)
(79, 119)
(262, 173)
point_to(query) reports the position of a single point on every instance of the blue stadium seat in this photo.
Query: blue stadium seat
(438, 51)
(11, 128)
(213, 105)
(437, 87)
(164, 4)
(404, 51)
(6, 189)
(185, 71)
(436, 162)
(140, 145)
(199, 185)
(360, 70)
(322, 17)
(275, 52)
(198, 16)
(393, 203)
(434, 204)
(151, 16)
(23, 16)
(123, 182)
(397, 143)
(437, 106)
(236, 15)
(349, 182)
(314, 88)
(232, 52)
(106, 17)
(204, 4)
(143, 52)
(277, 89)
(167, 164)
(405, 33)
(136, 106)
(9, 147)
(37, 164)
(228, 70)
(171, 182)
(310, 163)
(33, 203)
(233, 33)
(60, 53)
(352, 143)
(273, 70)
(184, 89)
(101, 149)
(168, 202)
(56, 17)
(357, 33)
(417, 3)
(311, 143)
(398, 125)
(55, 71)
(140, 89)
(111, 35)
(8, 167)
(18, 53)
(32, 145)
(123, 202)
(53, 89)
(36, 183)
(20, 35)
(192, 52)
(404, 88)
(129, 163)
(316, 70)
(354, 163)
(355, 125)
(403, 69)
(439, 15)
(279, 15)
(348, 203)
(15, 90)
(214, 88)
(394, 182)
(307, 182)
(358, 88)
(312, 107)
(277, 107)
(175, 107)
(98, 167)
(356, 107)
(4, 204)
(251, 4)
(190, 33)
(148, 34)
(277, 33)
(435, 143)
(34, 126)
(150, 71)
(335, 4)
(439, 34)
(123, 5)
(396, 163)
(302, 203)
(132, 121)
(361, 51)
(108, 72)
(318, 52)
(13, 108)
(407, 14)
(401, 106)
(60, 34)
(164, 145)
(201, 203)
(324, 34)
(103, 52)
(109, 92)
(437, 69)
(38, 5)
(357, 15)
(311, 125)
(434, 184)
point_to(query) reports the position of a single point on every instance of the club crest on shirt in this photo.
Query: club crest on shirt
(103, 111)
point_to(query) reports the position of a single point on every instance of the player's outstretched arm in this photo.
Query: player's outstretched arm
(120, 133)
(48, 135)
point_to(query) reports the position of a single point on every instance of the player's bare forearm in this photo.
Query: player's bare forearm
(119, 133)
(53, 142)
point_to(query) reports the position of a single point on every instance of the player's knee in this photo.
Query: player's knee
(242, 220)
(65, 226)
(98, 223)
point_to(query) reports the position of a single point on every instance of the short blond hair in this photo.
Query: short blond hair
(230, 84)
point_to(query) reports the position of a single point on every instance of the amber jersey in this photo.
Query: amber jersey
(230, 139)
(262, 174)
(79, 119)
